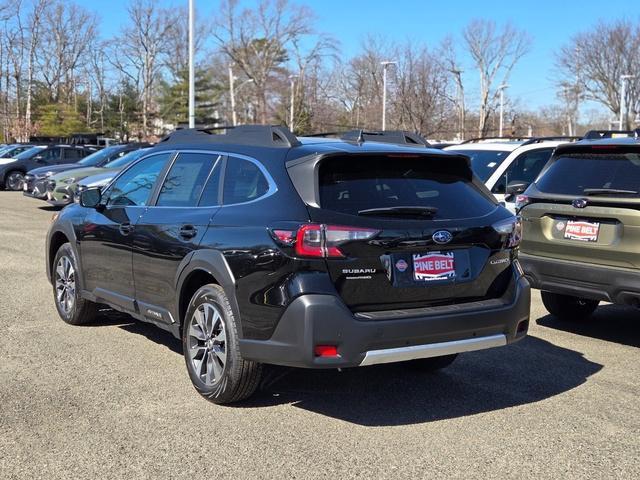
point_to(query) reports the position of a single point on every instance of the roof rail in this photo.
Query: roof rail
(599, 134)
(400, 137)
(568, 138)
(254, 135)
(508, 139)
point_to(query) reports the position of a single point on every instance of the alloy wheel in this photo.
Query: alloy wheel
(207, 343)
(15, 181)
(65, 285)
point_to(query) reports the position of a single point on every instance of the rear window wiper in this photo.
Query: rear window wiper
(400, 211)
(608, 191)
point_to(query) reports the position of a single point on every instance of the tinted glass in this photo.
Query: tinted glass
(571, 175)
(209, 197)
(72, 154)
(186, 178)
(243, 181)
(136, 184)
(51, 155)
(29, 153)
(351, 185)
(98, 157)
(126, 159)
(525, 168)
(484, 162)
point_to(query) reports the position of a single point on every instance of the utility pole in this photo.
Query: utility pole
(192, 74)
(385, 65)
(460, 100)
(501, 89)
(623, 84)
(232, 96)
(292, 78)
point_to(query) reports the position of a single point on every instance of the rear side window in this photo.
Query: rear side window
(585, 174)
(184, 183)
(243, 181)
(350, 185)
(484, 162)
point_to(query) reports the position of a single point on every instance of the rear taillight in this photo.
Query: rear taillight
(511, 228)
(322, 241)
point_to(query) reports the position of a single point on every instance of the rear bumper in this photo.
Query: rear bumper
(316, 319)
(597, 282)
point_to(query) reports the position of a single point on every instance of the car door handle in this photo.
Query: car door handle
(188, 231)
(125, 228)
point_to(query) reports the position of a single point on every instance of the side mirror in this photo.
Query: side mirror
(91, 197)
(39, 159)
(516, 187)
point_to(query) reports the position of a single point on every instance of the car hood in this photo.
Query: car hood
(76, 173)
(52, 169)
(101, 178)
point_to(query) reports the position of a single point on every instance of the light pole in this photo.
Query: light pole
(385, 65)
(232, 93)
(623, 84)
(292, 78)
(501, 89)
(192, 80)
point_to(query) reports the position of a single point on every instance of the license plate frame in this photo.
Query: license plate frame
(581, 231)
(433, 266)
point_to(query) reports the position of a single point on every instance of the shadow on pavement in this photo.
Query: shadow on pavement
(396, 394)
(613, 323)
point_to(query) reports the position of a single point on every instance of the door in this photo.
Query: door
(172, 228)
(106, 236)
(524, 168)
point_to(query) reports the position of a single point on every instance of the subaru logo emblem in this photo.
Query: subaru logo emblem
(579, 203)
(442, 237)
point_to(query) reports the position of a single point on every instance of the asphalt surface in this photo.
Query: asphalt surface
(113, 400)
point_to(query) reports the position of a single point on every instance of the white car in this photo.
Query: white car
(503, 162)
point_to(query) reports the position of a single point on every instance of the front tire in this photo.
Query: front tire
(567, 307)
(72, 308)
(14, 181)
(212, 350)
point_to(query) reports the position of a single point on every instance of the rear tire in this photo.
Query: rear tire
(212, 351)
(433, 364)
(567, 307)
(72, 308)
(13, 181)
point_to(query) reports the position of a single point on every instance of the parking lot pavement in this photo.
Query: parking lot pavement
(113, 400)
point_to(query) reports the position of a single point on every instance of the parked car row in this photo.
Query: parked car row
(259, 247)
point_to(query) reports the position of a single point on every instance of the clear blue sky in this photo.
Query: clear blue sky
(550, 23)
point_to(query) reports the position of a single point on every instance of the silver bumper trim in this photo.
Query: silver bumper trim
(414, 352)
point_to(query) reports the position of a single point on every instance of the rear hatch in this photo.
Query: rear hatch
(586, 207)
(412, 230)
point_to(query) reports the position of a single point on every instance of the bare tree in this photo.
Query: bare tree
(257, 41)
(595, 62)
(495, 51)
(451, 64)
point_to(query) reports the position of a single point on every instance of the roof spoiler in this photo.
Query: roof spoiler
(251, 135)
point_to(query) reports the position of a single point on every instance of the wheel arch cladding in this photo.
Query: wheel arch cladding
(58, 239)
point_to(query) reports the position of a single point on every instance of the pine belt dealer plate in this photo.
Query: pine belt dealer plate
(581, 230)
(433, 266)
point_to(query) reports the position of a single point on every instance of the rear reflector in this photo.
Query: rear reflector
(326, 351)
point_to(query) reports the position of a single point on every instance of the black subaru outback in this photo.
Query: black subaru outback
(256, 246)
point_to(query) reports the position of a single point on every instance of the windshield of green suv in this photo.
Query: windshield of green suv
(29, 153)
(484, 162)
(126, 159)
(98, 157)
(593, 174)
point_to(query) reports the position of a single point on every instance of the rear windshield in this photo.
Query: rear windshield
(350, 185)
(573, 174)
(484, 162)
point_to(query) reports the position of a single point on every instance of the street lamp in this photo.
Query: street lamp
(293, 79)
(192, 80)
(385, 65)
(623, 84)
(501, 89)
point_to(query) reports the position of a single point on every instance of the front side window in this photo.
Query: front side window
(183, 184)
(243, 181)
(610, 174)
(134, 186)
(525, 168)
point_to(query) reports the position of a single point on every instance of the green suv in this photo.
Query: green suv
(581, 225)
